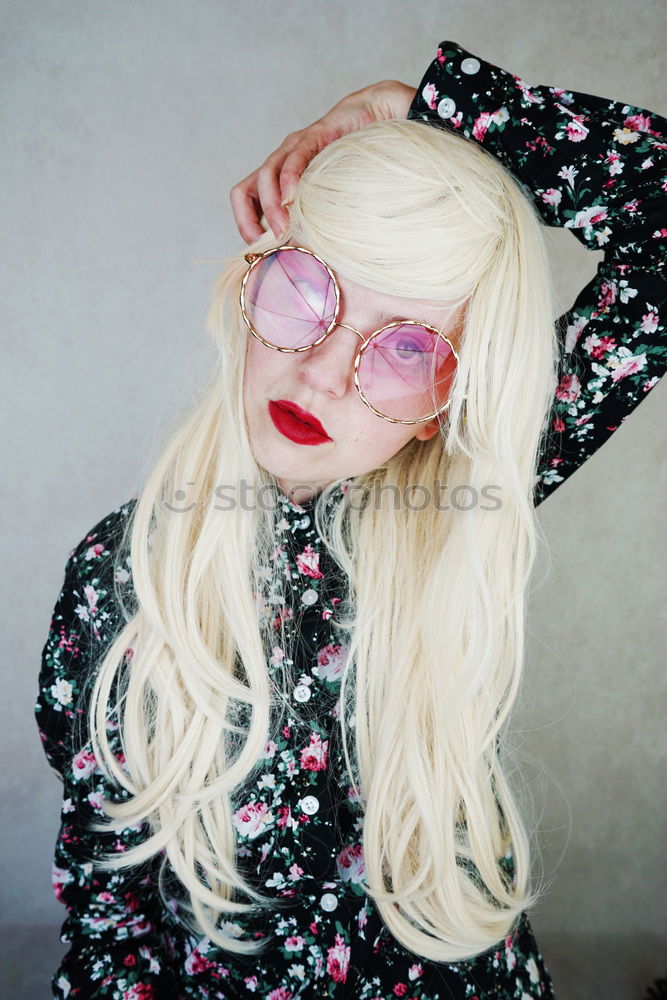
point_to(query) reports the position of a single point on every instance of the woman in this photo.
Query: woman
(294, 654)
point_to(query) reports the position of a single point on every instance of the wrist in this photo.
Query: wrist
(391, 98)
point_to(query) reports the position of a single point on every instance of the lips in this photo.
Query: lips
(304, 415)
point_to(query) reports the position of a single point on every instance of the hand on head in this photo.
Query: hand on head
(269, 188)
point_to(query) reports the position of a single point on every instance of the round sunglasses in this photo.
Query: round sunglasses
(290, 301)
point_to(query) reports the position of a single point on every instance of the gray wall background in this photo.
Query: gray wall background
(124, 127)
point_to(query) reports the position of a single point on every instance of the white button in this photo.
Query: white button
(470, 65)
(310, 804)
(309, 596)
(301, 692)
(328, 902)
(446, 107)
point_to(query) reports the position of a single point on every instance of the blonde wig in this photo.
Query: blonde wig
(434, 611)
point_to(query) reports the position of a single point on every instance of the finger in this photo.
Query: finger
(246, 210)
(268, 192)
(295, 163)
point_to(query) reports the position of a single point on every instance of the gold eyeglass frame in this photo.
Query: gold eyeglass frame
(252, 259)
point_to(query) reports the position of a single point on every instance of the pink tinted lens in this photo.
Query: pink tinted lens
(406, 372)
(290, 298)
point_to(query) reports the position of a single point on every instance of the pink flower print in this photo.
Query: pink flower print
(640, 123)
(251, 983)
(597, 347)
(628, 366)
(140, 991)
(330, 661)
(314, 756)
(573, 333)
(429, 93)
(282, 993)
(291, 767)
(588, 217)
(252, 819)
(607, 297)
(95, 799)
(83, 764)
(91, 597)
(576, 131)
(277, 656)
(615, 163)
(94, 551)
(84, 612)
(294, 943)
(651, 382)
(338, 960)
(270, 749)
(415, 971)
(283, 614)
(526, 92)
(569, 389)
(328, 612)
(481, 126)
(350, 863)
(308, 563)
(649, 322)
(552, 196)
(558, 425)
(440, 57)
(284, 816)
(510, 957)
(196, 962)
(295, 872)
(400, 989)
(60, 877)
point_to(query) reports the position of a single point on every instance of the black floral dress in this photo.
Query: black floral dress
(592, 165)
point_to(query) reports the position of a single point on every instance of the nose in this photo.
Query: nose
(329, 367)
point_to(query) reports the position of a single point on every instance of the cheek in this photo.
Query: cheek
(266, 366)
(380, 437)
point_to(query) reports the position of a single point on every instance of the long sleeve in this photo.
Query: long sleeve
(113, 923)
(597, 167)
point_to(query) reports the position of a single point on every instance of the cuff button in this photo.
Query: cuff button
(446, 107)
(470, 66)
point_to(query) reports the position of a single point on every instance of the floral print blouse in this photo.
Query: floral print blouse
(593, 165)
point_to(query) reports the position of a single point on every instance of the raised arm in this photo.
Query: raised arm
(113, 923)
(599, 168)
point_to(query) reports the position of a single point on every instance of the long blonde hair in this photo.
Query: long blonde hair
(434, 611)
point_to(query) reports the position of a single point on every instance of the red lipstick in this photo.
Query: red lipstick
(297, 424)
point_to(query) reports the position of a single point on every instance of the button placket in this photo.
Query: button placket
(310, 804)
(309, 597)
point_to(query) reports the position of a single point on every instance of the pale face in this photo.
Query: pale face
(321, 381)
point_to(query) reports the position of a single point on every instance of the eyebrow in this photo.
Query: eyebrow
(385, 318)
